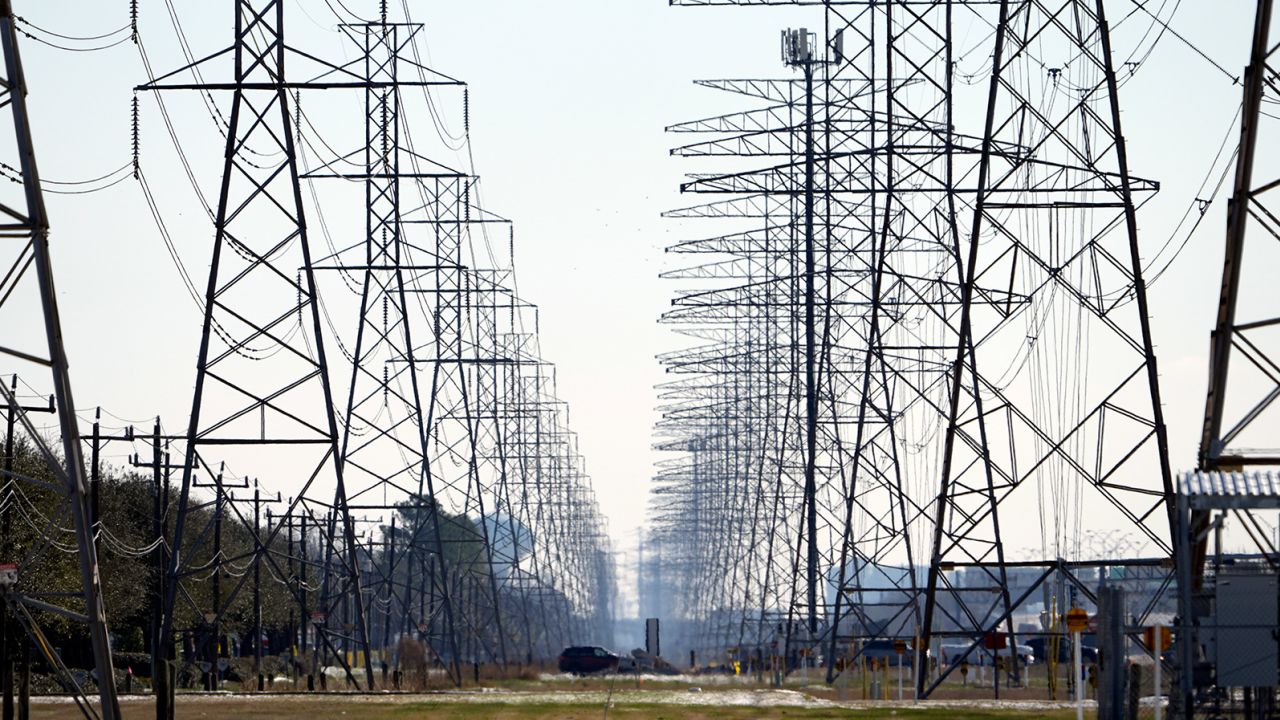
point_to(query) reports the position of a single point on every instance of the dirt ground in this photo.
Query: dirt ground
(561, 703)
(553, 696)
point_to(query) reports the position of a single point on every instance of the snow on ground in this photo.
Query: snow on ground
(738, 698)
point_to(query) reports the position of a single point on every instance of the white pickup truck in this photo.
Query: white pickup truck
(952, 654)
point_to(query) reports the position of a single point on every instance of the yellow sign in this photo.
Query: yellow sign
(1077, 620)
(1166, 638)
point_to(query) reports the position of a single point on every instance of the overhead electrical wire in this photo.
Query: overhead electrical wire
(83, 38)
(25, 27)
(71, 187)
(236, 346)
(1142, 6)
(350, 15)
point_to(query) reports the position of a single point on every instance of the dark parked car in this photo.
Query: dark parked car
(586, 660)
(884, 651)
(1088, 654)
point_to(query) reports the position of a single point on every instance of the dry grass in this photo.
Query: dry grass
(471, 707)
(527, 692)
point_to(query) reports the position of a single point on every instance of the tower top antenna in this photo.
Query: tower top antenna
(797, 47)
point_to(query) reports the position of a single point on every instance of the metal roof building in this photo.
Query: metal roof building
(1230, 490)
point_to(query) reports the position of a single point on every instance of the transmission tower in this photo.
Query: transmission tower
(445, 500)
(384, 453)
(989, 326)
(262, 391)
(27, 291)
(1239, 416)
(1058, 218)
(767, 400)
(913, 158)
(1241, 396)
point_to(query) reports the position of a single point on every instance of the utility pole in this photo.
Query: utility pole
(391, 598)
(160, 668)
(304, 615)
(291, 580)
(802, 57)
(95, 471)
(257, 584)
(213, 646)
(9, 634)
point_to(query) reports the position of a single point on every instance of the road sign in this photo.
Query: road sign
(900, 647)
(996, 641)
(1077, 620)
(1166, 638)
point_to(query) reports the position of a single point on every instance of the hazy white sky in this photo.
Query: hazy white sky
(568, 102)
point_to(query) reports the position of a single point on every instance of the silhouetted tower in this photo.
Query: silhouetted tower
(985, 324)
(1054, 213)
(1242, 395)
(31, 337)
(262, 393)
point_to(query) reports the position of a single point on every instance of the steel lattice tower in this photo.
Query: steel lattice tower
(987, 328)
(1060, 204)
(766, 399)
(459, 357)
(1244, 374)
(909, 257)
(262, 380)
(384, 452)
(1240, 397)
(428, 436)
(452, 422)
(32, 338)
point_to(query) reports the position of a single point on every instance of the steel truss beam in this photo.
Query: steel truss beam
(27, 292)
(1241, 399)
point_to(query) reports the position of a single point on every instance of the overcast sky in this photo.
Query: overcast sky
(568, 103)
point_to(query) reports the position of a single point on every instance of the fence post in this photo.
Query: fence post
(1111, 660)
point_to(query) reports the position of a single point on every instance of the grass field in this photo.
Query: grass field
(656, 704)
(535, 694)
